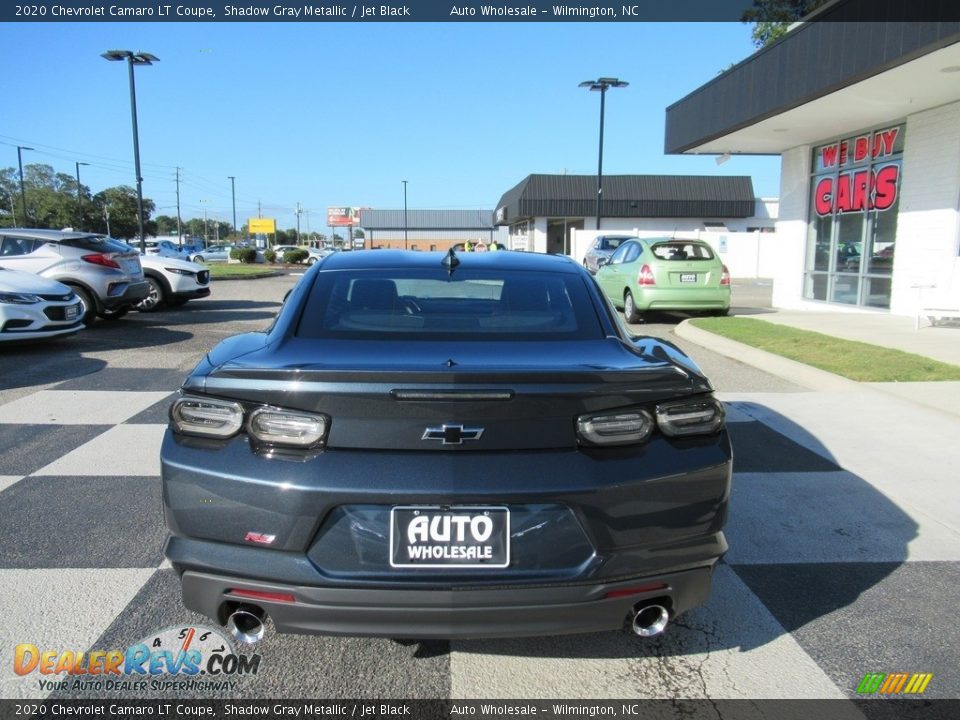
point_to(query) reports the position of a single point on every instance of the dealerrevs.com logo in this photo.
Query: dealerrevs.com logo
(179, 659)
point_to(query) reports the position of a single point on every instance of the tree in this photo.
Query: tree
(771, 18)
(166, 225)
(121, 203)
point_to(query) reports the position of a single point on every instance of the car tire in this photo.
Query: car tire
(114, 314)
(89, 310)
(311, 261)
(154, 299)
(630, 312)
(198, 258)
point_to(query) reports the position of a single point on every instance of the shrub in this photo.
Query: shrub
(270, 256)
(248, 255)
(235, 253)
(295, 256)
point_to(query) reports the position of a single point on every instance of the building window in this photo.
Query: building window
(854, 199)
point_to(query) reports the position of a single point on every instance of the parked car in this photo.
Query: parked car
(428, 445)
(173, 282)
(665, 274)
(211, 253)
(313, 254)
(603, 246)
(33, 307)
(163, 248)
(104, 273)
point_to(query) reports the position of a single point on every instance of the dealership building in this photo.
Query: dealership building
(428, 229)
(544, 213)
(865, 116)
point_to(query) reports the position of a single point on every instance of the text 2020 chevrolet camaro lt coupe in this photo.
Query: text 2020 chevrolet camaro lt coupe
(439, 446)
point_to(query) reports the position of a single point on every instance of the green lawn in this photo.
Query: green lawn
(238, 270)
(855, 360)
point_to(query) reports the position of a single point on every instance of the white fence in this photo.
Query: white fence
(746, 255)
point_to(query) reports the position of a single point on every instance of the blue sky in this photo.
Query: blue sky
(340, 114)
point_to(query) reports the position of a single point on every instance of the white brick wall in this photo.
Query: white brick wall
(928, 225)
(792, 227)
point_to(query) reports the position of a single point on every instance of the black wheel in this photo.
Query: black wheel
(88, 310)
(198, 258)
(630, 312)
(311, 260)
(114, 314)
(154, 298)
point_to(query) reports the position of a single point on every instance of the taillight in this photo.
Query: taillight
(646, 276)
(207, 417)
(283, 427)
(616, 428)
(101, 259)
(725, 276)
(690, 417)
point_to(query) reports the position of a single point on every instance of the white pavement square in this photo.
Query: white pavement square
(58, 610)
(124, 450)
(78, 407)
(8, 480)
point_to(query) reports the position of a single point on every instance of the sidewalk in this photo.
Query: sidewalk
(940, 343)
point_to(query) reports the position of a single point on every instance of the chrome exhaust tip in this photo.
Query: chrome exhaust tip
(649, 620)
(245, 624)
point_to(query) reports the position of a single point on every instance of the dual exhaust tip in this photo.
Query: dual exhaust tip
(649, 620)
(246, 622)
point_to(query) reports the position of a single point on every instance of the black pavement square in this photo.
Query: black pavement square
(24, 449)
(156, 414)
(859, 618)
(82, 522)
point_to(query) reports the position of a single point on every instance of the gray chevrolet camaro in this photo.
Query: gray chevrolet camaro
(439, 446)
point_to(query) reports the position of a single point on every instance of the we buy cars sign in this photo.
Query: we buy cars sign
(873, 186)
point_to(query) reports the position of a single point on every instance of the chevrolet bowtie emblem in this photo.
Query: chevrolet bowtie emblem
(452, 434)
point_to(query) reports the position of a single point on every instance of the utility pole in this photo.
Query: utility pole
(298, 222)
(79, 199)
(179, 228)
(259, 211)
(233, 193)
(205, 231)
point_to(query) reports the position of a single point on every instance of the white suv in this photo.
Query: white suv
(104, 273)
(172, 282)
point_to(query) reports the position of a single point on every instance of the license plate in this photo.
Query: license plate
(452, 537)
(71, 312)
(688, 277)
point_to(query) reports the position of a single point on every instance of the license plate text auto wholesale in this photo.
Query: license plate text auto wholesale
(429, 536)
(688, 278)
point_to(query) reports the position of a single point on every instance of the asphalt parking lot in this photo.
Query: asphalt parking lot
(832, 573)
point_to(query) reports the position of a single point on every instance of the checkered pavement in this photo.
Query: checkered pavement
(830, 575)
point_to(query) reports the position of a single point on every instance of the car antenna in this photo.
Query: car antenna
(450, 261)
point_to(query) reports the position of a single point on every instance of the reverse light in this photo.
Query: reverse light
(624, 428)
(206, 417)
(101, 259)
(725, 277)
(646, 276)
(285, 427)
(690, 417)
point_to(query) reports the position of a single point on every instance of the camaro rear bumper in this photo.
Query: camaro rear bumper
(448, 614)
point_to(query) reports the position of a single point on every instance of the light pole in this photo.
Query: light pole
(600, 85)
(23, 193)
(134, 58)
(79, 198)
(233, 194)
(404, 214)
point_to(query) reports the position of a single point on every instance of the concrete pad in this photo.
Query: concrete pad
(78, 407)
(942, 396)
(782, 518)
(732, 648)
(62, 609)
(122, 450)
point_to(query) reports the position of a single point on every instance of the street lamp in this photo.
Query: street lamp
(600, 85)
(233, 193)
(134, 58)
(404, 214)
(23, 193)
(79, 198)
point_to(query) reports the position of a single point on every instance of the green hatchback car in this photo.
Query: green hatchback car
(665, 274)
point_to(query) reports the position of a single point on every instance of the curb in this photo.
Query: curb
(796, 372)
(255, 276)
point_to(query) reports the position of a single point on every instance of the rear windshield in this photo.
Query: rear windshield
(426, 304)
(611, 243)
(682, 251)
(97, 243)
